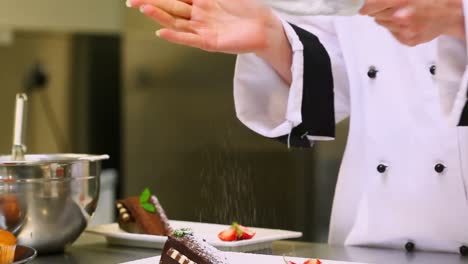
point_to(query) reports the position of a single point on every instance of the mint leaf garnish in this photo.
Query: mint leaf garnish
(145, 203)
(149, 207)
(235, 226)
(145, 195)
(182, 232)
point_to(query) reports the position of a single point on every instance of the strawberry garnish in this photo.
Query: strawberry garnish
(313, 261)
(228, 235)
(236, 232)
(245, 232)
(309, 261)
(288, 261)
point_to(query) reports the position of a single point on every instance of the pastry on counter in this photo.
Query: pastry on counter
(183, 247)
(7, 247)
(143, 215)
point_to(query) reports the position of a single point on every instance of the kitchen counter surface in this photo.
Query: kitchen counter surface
(91, 249)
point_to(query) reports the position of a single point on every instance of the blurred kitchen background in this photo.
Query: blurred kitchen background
(99, 81)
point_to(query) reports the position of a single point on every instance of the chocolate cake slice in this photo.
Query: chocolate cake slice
(182, 247)
(134, 216)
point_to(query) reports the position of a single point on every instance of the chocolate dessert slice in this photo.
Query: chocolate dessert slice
(143, 216)
(182, 247)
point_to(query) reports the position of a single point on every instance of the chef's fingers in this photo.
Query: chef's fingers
(375, 6)
(410, 41)
(386, 14)
(165, 19)
(173, 7)
(391, 26)
(182, 38)
(404, 35)
(405, 16)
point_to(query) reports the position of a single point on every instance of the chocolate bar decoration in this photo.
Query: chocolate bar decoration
(123, 212)
(179, 257)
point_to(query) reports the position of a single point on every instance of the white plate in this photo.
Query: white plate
(243, 258)
(262, 240)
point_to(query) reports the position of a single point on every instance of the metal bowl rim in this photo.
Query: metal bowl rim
(7, 182)
(43, 159)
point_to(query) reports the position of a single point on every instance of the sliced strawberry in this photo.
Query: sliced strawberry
(288, 261)
(243, 233)
(235, 226)
(314, 261)
(246, 233)
(236, 232)
(228, 235)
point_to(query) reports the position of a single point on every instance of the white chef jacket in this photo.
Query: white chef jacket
(403, 179)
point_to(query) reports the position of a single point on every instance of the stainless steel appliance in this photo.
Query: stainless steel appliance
(46, 200)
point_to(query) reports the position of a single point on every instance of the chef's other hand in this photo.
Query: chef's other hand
(228, 26)
(414, 22)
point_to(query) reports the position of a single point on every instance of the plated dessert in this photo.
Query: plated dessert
(7, 247)
(143, 215)
(182, 247)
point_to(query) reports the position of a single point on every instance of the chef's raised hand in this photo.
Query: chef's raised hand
(214, 25)
(228, 26)
(414, 22)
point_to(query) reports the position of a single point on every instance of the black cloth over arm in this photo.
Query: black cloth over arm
(318, 107)
(464, 116)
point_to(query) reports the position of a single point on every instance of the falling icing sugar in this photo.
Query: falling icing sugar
(228, 189)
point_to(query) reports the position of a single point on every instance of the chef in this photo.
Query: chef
(403, 179)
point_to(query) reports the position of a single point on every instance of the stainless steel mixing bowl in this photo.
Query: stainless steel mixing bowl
(47, 200)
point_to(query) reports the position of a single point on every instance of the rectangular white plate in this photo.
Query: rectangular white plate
(262, 240)
(242, 258)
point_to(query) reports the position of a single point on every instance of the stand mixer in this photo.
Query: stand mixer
(46, 200)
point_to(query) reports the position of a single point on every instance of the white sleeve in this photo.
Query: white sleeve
(452, 76)
(317, 98)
